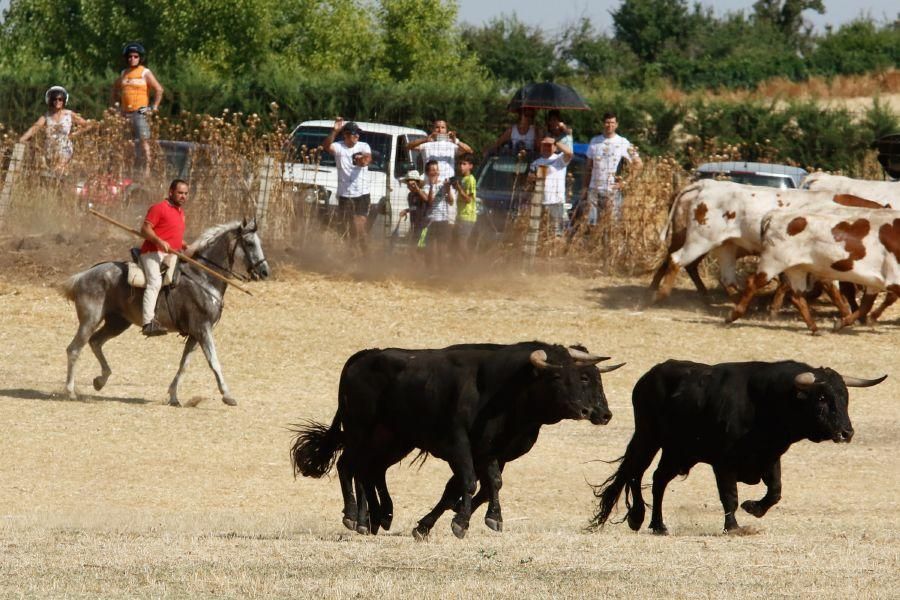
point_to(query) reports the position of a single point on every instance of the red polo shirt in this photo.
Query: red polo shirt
(168, 223)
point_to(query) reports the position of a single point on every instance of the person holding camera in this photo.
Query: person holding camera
(441, 145)
(131, 91)
(555, 158)
(352, 158)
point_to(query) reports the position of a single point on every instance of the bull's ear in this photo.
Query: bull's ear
(804, 381)
(857, 382)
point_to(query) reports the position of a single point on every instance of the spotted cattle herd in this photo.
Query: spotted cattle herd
(836, 229)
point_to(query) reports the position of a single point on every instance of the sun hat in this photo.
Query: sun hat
(413, 175)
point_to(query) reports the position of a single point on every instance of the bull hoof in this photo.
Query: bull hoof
(386, 522)
(494, 524)
(362, 529)
(174, 402)
(349, 523)
(458, 530)
(99, 382)
(635, 520)
(229, 400)
(754, 508)
(661, 530)
(420, 533)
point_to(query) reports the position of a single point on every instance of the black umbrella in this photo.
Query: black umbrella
(547, 95)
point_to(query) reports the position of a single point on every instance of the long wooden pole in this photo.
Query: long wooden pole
(180, 255)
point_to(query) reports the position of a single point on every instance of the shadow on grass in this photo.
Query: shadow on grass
(23, 394)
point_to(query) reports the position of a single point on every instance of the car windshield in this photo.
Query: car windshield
(312, 137)
(774, 181)
(498, 173)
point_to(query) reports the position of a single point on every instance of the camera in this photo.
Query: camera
(442, 137)
(453, 180)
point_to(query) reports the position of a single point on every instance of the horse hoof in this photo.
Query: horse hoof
(420, 534)
(349, 523)
(229, 400)
(174, 402)
(458, 530)
(71, 395)
(99, 382)
(494, 524)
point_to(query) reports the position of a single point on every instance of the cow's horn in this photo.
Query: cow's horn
(539, 359)
(582, 356)
(857, 382)
(609, 368)
(804, 380)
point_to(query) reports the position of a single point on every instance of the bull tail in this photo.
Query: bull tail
(316, 447)
(673, 210)
(635, 461)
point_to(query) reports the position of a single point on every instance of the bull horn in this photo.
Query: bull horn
(539, 359)
(804, 380)
(583, 356)
(609, 368)
(857, 382)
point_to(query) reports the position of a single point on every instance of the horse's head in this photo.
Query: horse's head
(251, 248)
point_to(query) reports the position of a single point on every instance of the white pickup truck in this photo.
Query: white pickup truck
(314, 180)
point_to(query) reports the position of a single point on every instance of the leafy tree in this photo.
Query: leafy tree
(857, 47)
(646, 26)
(593, 53)
(511, 50)
(787, 17)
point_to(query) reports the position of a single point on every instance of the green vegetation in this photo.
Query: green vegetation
(408, 61)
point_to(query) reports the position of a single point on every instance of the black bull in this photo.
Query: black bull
(476, 406)
(738, 417)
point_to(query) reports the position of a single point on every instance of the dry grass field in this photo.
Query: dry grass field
(119, 496)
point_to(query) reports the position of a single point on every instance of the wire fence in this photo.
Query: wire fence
(281, 175)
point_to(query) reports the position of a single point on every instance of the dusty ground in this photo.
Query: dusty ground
(118, 495)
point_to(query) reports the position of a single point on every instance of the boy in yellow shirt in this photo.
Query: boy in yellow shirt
(466, 206)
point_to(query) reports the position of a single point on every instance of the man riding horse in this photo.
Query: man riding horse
(163, 230)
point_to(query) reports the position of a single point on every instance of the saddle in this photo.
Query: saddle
(168, 269)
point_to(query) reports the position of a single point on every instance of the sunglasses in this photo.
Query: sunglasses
(134, 56)
(59, 99)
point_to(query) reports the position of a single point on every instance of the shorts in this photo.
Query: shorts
(140, 128)
(358, 206)
(438, 232)
(463, 229)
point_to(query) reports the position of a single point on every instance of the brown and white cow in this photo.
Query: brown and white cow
(858, 245)
(886, 193)
(723, 218)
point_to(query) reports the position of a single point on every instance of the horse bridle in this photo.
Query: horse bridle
(231, 252)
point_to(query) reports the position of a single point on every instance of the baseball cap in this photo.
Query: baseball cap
(351, 127)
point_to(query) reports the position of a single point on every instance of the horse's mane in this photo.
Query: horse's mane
(211, 234)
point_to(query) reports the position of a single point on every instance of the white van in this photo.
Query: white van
(391, 160)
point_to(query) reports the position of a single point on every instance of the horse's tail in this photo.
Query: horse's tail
(316, 447)
(67, 288)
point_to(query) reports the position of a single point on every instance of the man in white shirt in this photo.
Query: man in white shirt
(443, 146)
(555, 157)
(606, 151)
(352, 158)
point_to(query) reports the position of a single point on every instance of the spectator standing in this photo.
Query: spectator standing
(606, 152)
(558, 129)
(352, 158)
(417, 206)
(132, 93)
(555, 157)
(524, 135)
(441, 145)
(438, 196)
(466, 205)
(58, 120)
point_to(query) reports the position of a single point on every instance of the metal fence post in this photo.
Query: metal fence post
(15, 161)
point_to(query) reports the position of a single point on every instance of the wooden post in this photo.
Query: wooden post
(534, 216)
(266, 175)
(15, 162)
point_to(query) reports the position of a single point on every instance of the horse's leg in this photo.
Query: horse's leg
(190, 344)
(209, 350)
(86, 324)
(112, 326)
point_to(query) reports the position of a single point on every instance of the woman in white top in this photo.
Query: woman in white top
(58, 120)
(524, 135)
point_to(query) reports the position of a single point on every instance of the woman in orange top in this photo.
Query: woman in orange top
(132, 93)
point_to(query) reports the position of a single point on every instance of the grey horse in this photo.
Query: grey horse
(192, 306)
